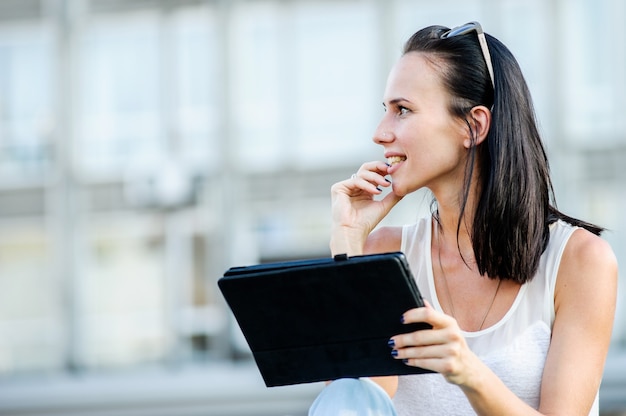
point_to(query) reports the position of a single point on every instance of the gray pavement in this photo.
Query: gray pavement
(220, 390)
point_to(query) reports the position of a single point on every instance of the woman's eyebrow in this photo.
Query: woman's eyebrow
(396, 101)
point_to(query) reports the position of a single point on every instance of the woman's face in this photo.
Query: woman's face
(423, 143)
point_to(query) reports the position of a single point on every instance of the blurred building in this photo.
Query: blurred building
(148, 145)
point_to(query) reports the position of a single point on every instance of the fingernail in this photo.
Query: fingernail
(391, 343)
(394, 353)
(388, 164)
(378, 189)
(402, 319)
(388, 181)
(405, 360)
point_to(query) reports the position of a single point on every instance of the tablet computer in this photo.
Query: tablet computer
(323, 319)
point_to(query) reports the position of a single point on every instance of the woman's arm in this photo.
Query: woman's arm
(385, 240)
(585, 298)
(355, 214)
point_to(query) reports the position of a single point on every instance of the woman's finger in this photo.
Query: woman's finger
(429, 315)
(374, 172)
(422, 338)
(369, 178)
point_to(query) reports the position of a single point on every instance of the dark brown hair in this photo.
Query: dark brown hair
(516, 202)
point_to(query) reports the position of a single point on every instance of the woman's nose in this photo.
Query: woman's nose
(382, 136)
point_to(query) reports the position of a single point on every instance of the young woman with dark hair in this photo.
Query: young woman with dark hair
(521, 297)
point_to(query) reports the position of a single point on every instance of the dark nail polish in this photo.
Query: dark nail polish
(388, 164)
(405, 360)
(402, 319)
(394, 353)
(391, 343)
(378, 189)
(388, 181)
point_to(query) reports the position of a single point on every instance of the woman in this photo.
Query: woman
(521, 297)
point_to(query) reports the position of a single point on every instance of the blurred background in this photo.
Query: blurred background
(148, 145)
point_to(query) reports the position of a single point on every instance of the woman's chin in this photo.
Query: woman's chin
(398, 190)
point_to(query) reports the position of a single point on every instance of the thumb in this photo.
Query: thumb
(390, 200)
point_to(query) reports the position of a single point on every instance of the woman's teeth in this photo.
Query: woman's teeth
(395, 159)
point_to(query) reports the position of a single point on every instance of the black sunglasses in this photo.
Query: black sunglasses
(482, 40)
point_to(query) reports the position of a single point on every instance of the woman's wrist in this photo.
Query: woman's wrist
(474, 373)
(346, 240)
(488, 394)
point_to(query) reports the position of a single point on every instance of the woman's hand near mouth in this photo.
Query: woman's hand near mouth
(356, 211)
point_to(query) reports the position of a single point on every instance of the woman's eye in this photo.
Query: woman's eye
(403, 110)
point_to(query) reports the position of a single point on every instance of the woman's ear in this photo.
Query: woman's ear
(480, 121)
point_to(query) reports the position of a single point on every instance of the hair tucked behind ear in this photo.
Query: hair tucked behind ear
(511, 222)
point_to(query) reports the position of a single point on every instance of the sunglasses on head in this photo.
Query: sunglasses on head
(482, 40)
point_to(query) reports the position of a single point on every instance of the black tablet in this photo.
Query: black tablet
(323, 319)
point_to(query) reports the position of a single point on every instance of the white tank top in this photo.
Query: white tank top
(515, 348)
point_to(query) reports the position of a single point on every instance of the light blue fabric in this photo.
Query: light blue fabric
(352, 397)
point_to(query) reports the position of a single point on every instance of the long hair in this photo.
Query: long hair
(516, 205)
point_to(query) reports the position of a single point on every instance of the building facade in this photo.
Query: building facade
(148, 145)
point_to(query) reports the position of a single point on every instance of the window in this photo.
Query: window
(118, 106)
(26, 98)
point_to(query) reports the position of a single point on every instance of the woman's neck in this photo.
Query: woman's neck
(448, 240)
(455, 229)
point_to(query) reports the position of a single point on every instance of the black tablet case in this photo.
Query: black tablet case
(323, 319)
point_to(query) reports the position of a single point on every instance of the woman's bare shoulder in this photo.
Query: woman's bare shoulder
(588, 267)
(589, 251)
